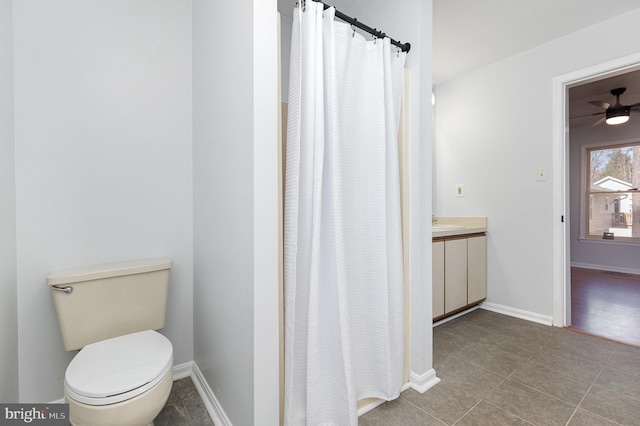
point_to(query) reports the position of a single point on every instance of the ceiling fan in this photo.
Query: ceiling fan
(614, 114)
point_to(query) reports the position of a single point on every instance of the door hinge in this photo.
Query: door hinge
(562, 218)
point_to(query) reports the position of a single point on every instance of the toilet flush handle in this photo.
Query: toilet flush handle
(67, 289)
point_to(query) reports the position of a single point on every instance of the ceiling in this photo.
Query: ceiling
(470, 34)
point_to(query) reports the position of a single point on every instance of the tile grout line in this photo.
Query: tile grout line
(516, 369)
(426, 412)
(509, 412)
(604, 365)
(546, 343)
(468, 411)
(589, 390)
(539, 350)
(504, 379)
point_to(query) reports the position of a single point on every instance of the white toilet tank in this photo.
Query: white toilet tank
(110, 300)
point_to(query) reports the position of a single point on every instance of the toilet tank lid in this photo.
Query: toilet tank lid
(109, 270)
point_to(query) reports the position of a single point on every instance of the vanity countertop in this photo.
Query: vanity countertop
(450, 226)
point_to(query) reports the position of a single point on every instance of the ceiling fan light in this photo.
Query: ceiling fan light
(620, 119)
(618, 116)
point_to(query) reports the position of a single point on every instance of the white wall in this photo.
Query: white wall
(493, 131)
(103, 159)
(8, 289)
(235, 205)
(594, 254)
(267, 206)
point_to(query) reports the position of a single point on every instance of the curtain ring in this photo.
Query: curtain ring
(353, 27)
(397, 52)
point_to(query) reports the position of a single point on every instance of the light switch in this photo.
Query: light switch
(460, 190)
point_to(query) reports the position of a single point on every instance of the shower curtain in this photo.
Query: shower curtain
(344, 331)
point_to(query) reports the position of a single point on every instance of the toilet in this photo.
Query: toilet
(123, 373)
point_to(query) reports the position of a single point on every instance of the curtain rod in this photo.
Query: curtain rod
(373, 31)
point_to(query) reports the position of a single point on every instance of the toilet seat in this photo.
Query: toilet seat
(118, 369)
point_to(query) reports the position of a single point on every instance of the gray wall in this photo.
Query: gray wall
(223, 203)
(235, 206)
(607, 255)
(103, 159)
(8, 288)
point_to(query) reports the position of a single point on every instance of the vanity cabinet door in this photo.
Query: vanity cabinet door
(477, 268)
(438, 278)
(455, 272)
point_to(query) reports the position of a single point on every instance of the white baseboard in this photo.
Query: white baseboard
(517, 313)
(209, 399)
(423, 382)
(606, 268)
(181, 371)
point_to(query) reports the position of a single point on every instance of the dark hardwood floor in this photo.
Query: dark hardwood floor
(606, 304)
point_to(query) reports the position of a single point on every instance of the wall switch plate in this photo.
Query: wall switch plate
(542, 175)
(460, 190)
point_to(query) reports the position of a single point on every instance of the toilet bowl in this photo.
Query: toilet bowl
(125, 380)
(123, 372)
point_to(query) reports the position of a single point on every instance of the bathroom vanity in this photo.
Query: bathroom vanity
(459, 264)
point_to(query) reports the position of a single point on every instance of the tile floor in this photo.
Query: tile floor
(184, 407)
(498, 370)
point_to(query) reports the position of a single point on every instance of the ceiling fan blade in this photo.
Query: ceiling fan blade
(599, 122)
(635, 106)
(600, 104)
(587, 115)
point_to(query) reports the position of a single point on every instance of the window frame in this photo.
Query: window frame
(586, 207)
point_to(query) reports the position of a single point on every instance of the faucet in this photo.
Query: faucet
(434, 219)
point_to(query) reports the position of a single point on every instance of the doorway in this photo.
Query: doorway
(567, 226)
(606, 304)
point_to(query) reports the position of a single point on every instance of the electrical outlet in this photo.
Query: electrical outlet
(460, 190)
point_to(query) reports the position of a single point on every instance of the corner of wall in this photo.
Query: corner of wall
(9, 382)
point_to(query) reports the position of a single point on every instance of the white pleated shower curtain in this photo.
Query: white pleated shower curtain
(344, 325)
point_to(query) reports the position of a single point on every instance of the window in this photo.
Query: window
(612, 180)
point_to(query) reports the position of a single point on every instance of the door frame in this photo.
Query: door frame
(561, 262)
